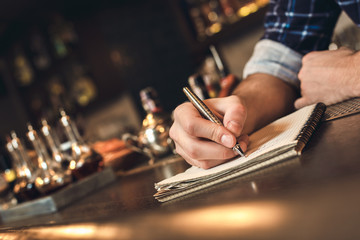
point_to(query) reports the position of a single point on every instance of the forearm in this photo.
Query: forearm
(266, 99)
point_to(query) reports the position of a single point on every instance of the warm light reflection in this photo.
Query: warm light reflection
(76, 149)
(253, 7)
(84, 231)
(161, 129)
(244, 11)
(262, 3)
(261, 215)
(39, 181)
(248, 9)
(9, 236)
(150, 135)
(57, 158)
(149, 120)
(213, 16)
(76, 231)
(72, 165)
(254, 187)
(215, 28)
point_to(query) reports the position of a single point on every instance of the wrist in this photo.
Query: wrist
(265, 98)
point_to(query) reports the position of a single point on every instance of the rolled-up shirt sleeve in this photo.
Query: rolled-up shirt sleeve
(275, 59)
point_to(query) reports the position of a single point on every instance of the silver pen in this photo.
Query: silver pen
(207, 113)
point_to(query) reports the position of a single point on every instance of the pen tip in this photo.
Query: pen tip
(238, 150)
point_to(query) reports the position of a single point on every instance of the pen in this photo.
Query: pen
(207, 113)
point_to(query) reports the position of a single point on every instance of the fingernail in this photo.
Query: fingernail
(226, 140)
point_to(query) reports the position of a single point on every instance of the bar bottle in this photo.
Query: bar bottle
(62, 158)
(24, 189)
(84, 160)
(51, 176)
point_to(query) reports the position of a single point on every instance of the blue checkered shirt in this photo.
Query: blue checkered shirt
(307, 25)
(294, 28)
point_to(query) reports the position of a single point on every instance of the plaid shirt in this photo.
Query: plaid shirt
(306, 25)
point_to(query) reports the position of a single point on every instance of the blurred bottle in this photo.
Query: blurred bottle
(209, 17)
(153, 139)
(198, 86)
(150, 101)
(63, 36)
(219, 63)
(59, 97)
(154, 109)
(51, 176)
(197, 19)
(7, 179)
(7, 198)
(84, 160)
(39, 53)
(211, 76)
(212, 86)
(156, 125)
(229, 10)
(26, 174)
(216, 16)
(7, 170)
(61, 158)
(83, 89)
(228, 82)
(23, 72)
(210, 11)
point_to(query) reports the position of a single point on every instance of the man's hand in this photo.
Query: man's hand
(257, 101)
(203, 143)
(329, 77)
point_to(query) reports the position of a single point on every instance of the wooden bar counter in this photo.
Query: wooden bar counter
(315, 196)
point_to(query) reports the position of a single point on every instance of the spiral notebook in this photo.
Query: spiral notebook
(280, 140)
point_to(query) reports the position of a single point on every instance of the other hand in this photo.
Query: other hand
(329, 77)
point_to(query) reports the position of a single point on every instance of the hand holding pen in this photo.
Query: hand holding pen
(205, 144)
(208, 114)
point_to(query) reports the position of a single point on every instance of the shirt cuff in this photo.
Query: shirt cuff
(275, 59)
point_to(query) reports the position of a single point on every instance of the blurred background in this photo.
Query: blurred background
(93, 57)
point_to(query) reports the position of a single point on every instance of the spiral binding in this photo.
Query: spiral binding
(310, 126)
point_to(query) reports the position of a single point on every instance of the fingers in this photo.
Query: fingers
(203, 143)
(346, 50)
(200, 163)
(198, 147)
(300, 103)
(216, 154)
(315, 55)
(189, 120)
(311, 55)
